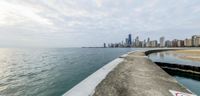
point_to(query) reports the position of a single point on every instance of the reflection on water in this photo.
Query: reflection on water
(171, 57)
(191, 81)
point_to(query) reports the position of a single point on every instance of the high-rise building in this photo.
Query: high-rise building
(144, 43)
(195, 41)
(198, 41)
(162, 41)
(104, 45)
(126, 40)
(153, 43)
(168, 43)
(188, 42)
(148, 42)
(180, 43)
(129, 40)
(174, 43)
(137, 42)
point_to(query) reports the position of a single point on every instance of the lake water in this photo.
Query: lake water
(171, 57)
(50, 72)
(190, 81)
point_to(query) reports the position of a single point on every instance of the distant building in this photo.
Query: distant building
(126, 40)
(168, 43)
(148, 42)
(195, 40)
(144, 43)
(162, 41)
(137, 42)
(198, 41)
(153, 43)
(188, 42)
(174, 43)
(129, 40)
(180, 43)
(104, 45)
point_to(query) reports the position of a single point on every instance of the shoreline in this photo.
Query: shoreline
(96, 85)
(87, 86)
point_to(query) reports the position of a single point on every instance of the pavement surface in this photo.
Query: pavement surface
(138, 76)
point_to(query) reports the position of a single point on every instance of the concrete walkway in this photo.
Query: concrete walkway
(138, 76)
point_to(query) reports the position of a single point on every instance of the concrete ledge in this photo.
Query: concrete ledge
(138, 76)
(132, 74)
(87, 86)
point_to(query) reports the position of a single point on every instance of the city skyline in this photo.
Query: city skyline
(77, 23)
(192, 41)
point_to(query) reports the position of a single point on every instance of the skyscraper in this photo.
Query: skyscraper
(137, 42)
(129, 40)
(148, 42)
(104, 45)
(195, 40)
(162, 41)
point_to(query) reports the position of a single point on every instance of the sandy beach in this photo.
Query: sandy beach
(189, 54)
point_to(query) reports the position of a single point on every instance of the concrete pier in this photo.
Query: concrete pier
(138, 76)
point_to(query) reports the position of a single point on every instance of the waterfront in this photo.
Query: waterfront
(190, 81)
(176, 57)
(50, 72)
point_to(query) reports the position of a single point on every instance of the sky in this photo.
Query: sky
(77, 23)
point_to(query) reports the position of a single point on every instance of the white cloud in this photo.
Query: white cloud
(99, 3)
(61, 21)
(12, 14)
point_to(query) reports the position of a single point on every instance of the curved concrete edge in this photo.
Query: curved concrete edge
(88, 85)
(148, 52)
(115, 83)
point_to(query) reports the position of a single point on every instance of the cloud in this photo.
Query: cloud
(99, 3)
(14, 13)
(69, 23)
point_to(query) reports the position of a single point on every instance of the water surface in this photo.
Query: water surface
(50, 72)
(171, 57)
(191, 81)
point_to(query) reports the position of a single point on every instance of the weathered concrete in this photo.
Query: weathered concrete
(138, 76)
(195, 70)
(87, 86)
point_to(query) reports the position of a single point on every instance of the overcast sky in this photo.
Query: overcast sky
(76, 23)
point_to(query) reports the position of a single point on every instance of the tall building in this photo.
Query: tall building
(195, 40)
(198, 41)
(137, 42)
(162, 41)
(148, 42)
(126, 42)
(129, 40)
(174, 43)
(104, 45)
(144, 43)
(168, 43)
(153, 43)
(188, 42)
(180, 43)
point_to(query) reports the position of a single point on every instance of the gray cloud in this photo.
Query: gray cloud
(75, 23)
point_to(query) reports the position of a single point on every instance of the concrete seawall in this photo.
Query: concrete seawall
(133, 75)
(179, 67)
(138, 76)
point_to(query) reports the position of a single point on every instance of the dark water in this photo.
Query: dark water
(191, 81)
(49, 72)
